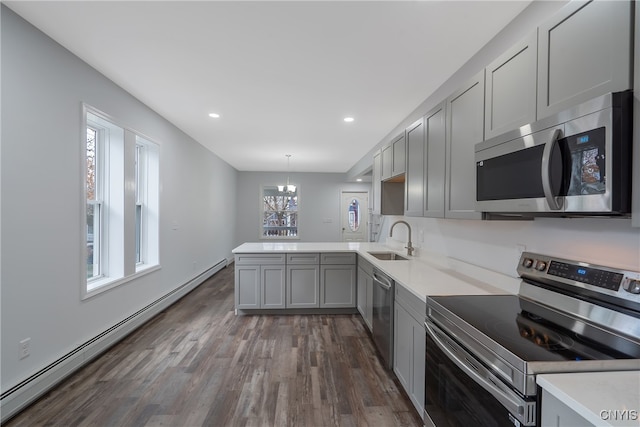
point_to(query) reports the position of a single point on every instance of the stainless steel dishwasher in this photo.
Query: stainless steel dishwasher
(383, 296)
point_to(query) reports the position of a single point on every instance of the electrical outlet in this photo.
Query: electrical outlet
(25, 348)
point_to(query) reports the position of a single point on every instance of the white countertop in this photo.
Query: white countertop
(422, 276)
(602, 398)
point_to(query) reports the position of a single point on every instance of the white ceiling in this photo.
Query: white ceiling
(282, 75)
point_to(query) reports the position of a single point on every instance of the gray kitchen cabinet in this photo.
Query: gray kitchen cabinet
(247, 286)
(259, 281)
(584, 52)
(399, 155)
(303, 280)
(510, 86)
(434, 161)
(393, 158)
(365, 291)
(272, 286)
(376, 183)
(387, 161)
(409, 345)
(337, 280)
(414, 174)
(465, 128)
(554, 412)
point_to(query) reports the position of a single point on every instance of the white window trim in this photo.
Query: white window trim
(261, 216)
(119, 270)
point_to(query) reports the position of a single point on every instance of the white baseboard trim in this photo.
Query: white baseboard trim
(21, 395)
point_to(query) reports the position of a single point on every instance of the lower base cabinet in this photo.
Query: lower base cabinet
(365, 291)
(410, 345)
(303, 286)
(265, 281)
(557, 413)
(260, 281)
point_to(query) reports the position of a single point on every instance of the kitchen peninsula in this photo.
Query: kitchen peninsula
(422, 276)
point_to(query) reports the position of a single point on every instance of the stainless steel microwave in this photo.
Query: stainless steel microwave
(575, 163)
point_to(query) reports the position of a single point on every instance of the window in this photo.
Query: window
(146, 203)
(139, 183)
(279, 212)
(121, 226)
(94, 205)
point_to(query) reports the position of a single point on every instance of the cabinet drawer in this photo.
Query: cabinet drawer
(296, 258)
(338, 258)
(414, 305)
(259, 259)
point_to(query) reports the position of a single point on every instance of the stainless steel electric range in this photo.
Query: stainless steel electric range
(484, 351)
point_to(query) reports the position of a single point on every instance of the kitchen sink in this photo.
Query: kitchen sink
(388, 256)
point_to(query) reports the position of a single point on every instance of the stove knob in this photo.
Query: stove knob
(632, 286)
(527, 263)
(541, 265)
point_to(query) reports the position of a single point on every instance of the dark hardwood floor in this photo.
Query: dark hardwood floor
(198, 364)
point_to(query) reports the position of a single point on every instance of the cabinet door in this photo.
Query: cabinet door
(465, 128)
(377, 183)
(399, 156)
(387, 162)
(584, 52)
(361, 296)
(414, 175)
(510, 84)
(247, 286)
(435, 157)
(402, 347)
(556, 413)
(273, 286)
(365, 297)
(418, 365)
(303, 286)
(337, 286)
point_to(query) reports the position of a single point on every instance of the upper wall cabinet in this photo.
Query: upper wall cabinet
(510, 85)
(376, 184)
(414, 175)
(393, 158)
(465, 128)
(435, 156)
(584, 52)
(399, 155)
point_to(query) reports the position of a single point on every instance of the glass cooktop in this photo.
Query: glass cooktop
(518, 326)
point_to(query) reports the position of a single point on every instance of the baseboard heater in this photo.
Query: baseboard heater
(24, 393)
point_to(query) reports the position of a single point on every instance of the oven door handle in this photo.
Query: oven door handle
(511, 401)
(555, 203)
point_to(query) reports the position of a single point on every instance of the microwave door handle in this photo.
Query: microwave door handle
(555, 203)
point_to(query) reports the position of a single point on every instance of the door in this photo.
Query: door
(465, 128)
(414, 174)
(354, 216)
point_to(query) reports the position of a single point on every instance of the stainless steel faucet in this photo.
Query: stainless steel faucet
(409, 247)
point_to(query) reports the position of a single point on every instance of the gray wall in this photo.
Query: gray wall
(319, 195)
(43, 86)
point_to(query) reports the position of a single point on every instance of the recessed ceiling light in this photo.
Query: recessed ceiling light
(359, 179)
(349, 119)
(214, 115)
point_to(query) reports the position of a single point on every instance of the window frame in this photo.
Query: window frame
(118, 145)
(97, 201)
(262, 211)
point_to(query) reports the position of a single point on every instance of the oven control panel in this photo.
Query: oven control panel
(606, 280)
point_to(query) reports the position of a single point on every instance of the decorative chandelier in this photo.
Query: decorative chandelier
(289, 188)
